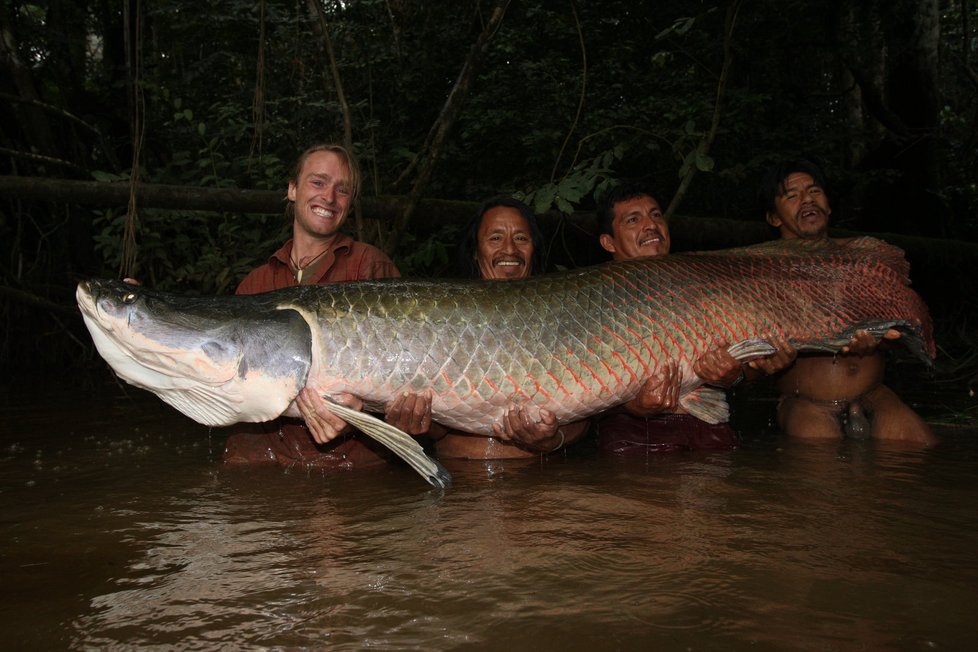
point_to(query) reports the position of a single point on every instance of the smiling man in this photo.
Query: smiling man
(631, 224)
(505, 244)
(324, 183)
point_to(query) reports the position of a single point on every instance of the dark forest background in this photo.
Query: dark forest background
(154, 139)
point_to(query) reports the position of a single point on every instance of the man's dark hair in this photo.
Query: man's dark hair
(620, 193)
(772, 184)
(467, 251)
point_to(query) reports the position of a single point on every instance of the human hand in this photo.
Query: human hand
(863, 343)
(323, 425)
(659, 393)
(718, 367)
(410, 412)
(783, 356)
(518, 427)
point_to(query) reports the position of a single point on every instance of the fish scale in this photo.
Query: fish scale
(582, 341)
(574, 343)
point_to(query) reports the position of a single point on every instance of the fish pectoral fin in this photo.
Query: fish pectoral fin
(745, 350)
(707, 404)
(403, 444)
(202, 403)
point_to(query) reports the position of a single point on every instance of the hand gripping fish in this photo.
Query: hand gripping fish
(575, 343)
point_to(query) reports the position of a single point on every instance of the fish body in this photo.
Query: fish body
(575, 343)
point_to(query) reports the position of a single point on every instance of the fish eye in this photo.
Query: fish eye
(129, 297)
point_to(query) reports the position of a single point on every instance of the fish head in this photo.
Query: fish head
(218, 360)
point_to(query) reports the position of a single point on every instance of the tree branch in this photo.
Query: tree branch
(316, 9)
(580, 100)
(446, 120)
(703, 148)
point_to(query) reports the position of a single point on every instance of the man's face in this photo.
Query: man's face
(321, 194)
(638, 229)
(505, 245)
(802, 209)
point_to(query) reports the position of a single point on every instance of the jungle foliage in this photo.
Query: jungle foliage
(552, 100)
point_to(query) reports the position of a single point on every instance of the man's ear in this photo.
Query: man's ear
(291, 193)
(607, 243)
(773, 219)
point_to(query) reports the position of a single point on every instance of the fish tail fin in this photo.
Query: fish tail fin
(910, 336)
(401, 443)
(707, 404)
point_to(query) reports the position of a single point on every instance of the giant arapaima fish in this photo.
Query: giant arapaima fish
(575, 342)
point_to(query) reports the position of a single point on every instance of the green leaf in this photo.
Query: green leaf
(99, 175)
(704, 163)
(570, 189)
(543, 198)
(683, 25)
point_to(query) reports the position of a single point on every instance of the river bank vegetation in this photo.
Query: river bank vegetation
(154, 139)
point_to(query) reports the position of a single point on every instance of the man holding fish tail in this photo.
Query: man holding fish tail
(831, 396)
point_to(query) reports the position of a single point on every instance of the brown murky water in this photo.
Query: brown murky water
(121, 529)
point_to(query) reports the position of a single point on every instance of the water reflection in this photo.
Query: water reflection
(122, 530)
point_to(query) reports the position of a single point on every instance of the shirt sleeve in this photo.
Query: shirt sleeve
(376, 264)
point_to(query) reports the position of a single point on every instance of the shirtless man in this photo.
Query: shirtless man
(826, 396)
(504, 243)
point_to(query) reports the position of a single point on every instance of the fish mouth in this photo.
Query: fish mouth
(87, 296)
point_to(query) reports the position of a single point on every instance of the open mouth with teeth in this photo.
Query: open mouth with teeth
(323, 212)
(509, 263)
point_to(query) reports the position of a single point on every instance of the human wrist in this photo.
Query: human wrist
(560, 443)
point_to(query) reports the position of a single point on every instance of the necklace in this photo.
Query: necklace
(300, 270)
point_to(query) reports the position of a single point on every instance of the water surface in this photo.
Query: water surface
(121, 529)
